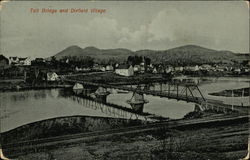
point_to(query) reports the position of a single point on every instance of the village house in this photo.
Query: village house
(142, 69)
(20, 61)
(14, 60)
(96, 67)
(137, 68)
(86, 69)
(248, 63)
(25, 61)
(102, 68)
(109, 68)
(221, 68)
(4, 62)
(52, 76)
(78, 68)
(160, 68)
(245, 69)
(82, 68)
(178, 69)
(38, 62)
(192, 68)
(206, 67)
(155, 70)
(237, 70)
(169, 69)
(125, 70)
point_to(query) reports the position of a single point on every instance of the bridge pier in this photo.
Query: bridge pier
(101, 94)
(79, 89)
(101, 98)
(137, 102)
(198, 108)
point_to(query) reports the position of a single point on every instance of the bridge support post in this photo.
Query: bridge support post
(79, 89)
(198, 108)
(137, 102)
(101, 98)
(101, 94)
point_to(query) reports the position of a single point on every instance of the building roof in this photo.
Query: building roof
(137, 65)
(51, 74)
(3, 58)
(123, 66)
(22, 59)
(39, 59)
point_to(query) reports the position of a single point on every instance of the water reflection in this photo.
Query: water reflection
(19, 108)
(210, 85)
(16, 96)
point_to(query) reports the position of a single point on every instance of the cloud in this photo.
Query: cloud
(158, 26)
(164, 25)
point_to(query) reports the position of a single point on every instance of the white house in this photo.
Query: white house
(237, 70)
(125, 70)
(192, 68)
(52, 76)
(102, 68)
(169, 69)
(137, 68)
(109, 68)
(179, 68)
(20, 61)
(206, 67)
(78, 68)
(25, 61)
(14, 60)
(155, 70)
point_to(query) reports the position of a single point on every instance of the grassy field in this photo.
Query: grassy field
(218, 142)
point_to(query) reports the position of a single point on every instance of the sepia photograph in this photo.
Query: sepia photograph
(124, 80)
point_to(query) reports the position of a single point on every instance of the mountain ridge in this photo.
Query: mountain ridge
(187, 53)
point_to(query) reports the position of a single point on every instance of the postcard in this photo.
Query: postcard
(102, 80)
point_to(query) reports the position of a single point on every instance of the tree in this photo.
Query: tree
(53, 61)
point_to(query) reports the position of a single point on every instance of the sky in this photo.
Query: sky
(158, 25)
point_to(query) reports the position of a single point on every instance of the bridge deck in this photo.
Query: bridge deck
(143, 91)
(183, 97)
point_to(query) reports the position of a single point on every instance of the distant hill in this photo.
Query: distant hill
(193, 54)
(93, 52)
(182, 55)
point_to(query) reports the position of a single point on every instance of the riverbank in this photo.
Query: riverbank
(112, 78)
(63, 126)
(12, 85)
(222, 140)
(98, 77)
(242, 92)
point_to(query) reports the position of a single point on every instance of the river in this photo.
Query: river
(19, 108)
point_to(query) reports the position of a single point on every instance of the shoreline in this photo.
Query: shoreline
(241, 92)
(10, 87)
(153, 131)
